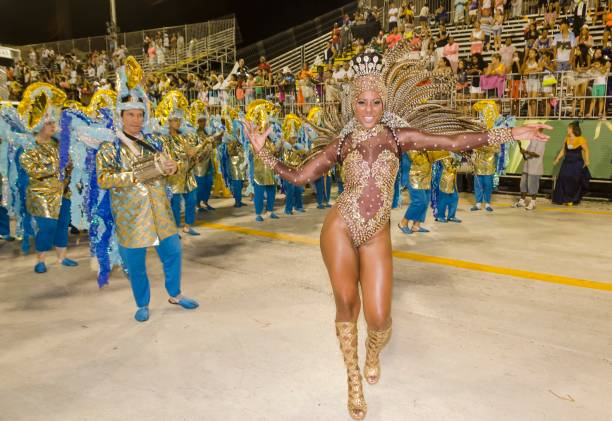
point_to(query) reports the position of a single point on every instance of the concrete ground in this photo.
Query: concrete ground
(507, 316)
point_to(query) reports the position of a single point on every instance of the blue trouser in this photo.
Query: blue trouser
(293, 196)
(397, 189)
(236, 189)
(134, 259)
(260, 191)
(340, 187)
(483, 187)
(5, 223)
(447, 201)
(323, 189)
(190, 207)
(52, 232)
(419, 201)
(205, 184)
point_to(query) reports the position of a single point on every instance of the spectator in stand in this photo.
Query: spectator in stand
(288, 87)
(507, 53)
(460, 12)
(515, 84)
(563, 46)
(263, 64)
(329, 53)
(517, 8)
(494, 78)
(409, 13)
(477, 39)
(335, 36)
(531, 35)
(180, 43)
(451, 52)
(424, 15)
(550, 16)
(486, 10)
(530, 70)
(473, 11)
(499, 7)
(548, 82)
(474, 70)
(442, 38)
(378, 43)
(496, 31)
(600, 69)
(543, 45)
(606, 43)
(463, 87)
(441, 15)
(241, 70)
(393, 38)
(393, 16)
(346, 37)
(580, 14)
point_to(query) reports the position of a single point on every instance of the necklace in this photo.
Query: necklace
(361, 134)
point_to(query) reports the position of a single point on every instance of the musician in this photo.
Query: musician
(204, 169)
(448, 196)
(238, 170)
(48, 196)
(139, 205)
(293, 154)
(485, 163)
(264, 184)
(182, 148)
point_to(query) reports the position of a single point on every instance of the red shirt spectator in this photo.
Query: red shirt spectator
(263, 64)
(393, 38)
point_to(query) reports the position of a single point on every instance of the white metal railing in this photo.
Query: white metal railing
(519, 97)
(299, 56)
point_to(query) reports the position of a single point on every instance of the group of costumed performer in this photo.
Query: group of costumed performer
(385, 114)
(118, 173)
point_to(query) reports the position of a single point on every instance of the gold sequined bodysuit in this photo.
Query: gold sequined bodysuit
(371, 160)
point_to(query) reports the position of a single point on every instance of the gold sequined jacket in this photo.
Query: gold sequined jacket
(238, 163)
(141, 211)
(420, 167)
(204, 160)
(484, 160)
(448, 178)
(371, 160)
(45, 190)
(262, 174)
(175, 147)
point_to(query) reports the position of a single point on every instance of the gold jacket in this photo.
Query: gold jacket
(237, 158)
(204, 161)
(420, 167)
(448, 178)
(263, 175)
(484, 160)
(141, 211)
(175, 147)
(45, 190)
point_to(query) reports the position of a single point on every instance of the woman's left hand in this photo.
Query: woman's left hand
(531, 132)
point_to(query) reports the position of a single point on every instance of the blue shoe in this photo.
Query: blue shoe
(40, 267)
(201, 210)
(474, 208)
(25, 246)
(241, 204)
(69, 262)
(320, 207)
(421, 229)
(301, 210)
(7, 238)
(192, 232)
(259, 218)
(288, 213)
(208, 207)
(273, 216)
(443, 220)
(405, 230)
(456, 220)
(236, 205)
(142, 314)
(489, 209)
(186, 303)
(327, 205)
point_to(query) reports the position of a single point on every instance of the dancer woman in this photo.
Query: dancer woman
(355, 238)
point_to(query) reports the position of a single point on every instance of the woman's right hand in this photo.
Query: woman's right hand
(256, 138)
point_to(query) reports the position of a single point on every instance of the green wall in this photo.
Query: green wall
(597, 133)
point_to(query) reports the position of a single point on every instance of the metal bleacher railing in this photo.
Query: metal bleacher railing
(133, 41)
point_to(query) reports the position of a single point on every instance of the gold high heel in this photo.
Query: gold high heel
(347, 336)
(377, 339)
